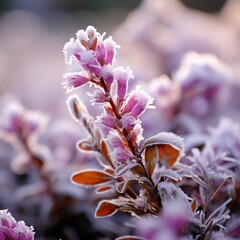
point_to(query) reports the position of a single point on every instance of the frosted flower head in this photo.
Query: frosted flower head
(18, 121)
(137, 102)
(75, 80)
(110, 47)
(11, 229)
(122, 76)
(88, 38)
(226, 138)
(200, 77)
(94, 55)
(201, 73)
(71, 51)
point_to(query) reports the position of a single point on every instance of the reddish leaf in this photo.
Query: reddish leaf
(128, 237)
(104, 189)
(84, 145)
(105, 209)
(168, 155)
(109, 171)
(105, 151)
(167, 148)
(151, 158)
(91, 177)
(194, 205)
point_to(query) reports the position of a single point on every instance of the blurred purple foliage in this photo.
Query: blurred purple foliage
(175, 167)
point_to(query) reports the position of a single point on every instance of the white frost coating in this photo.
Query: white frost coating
(173, 199)
(206, 67)
(166, 138)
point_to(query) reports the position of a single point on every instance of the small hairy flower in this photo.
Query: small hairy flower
(75, 80)
(18, 122)
(122, 76)
(11, 229)
(137, 102)
(200, 78)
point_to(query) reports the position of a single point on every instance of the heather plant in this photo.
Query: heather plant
(152, 163)
(152, 179)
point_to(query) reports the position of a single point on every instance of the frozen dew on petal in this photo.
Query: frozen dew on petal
(110, 47)
(98, 96)
(88, 38)
(11, 229)
(137, 133)
(121, 155)
(89, 62)
(75, 80)
(71, 50)
(107, 120)
(107, 75)
(128, 121)
(101, 52)
(138, 102)
(121, 77)
(6, 219)
(115, 140)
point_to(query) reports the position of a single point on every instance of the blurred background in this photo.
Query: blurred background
(154, 36)
(33, 33)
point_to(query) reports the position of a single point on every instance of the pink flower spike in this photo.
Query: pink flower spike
(75, 80)
(88, 39)
(122, 76)
(6, 219)
(110, 47)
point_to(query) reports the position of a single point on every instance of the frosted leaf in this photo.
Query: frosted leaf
(165, 147)
(171, 195)
(166, 138)
(171, 174)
